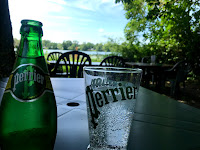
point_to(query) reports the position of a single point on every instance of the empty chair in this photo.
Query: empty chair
(149, 74)
(70, 64)
(51, 59)
(149, 59)
(196, 67)
(177, 74)
(113, 61)
(53, 56)
(146, 59)
(153, 58)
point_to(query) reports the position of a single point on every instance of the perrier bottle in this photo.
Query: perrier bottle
(28, 114)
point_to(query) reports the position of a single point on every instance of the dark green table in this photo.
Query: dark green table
(161, 123)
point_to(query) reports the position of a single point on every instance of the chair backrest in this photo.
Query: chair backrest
(146, 59)
(182, 68)
(196, 67)
(114, 61)
(153, 58)
(149, 59)
(53, 56)
(70, 64)
(52, 59)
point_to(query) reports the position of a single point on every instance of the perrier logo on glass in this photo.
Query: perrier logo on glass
(28, 82)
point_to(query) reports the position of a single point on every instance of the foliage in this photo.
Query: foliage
(51, 45)
(46, 44)
(99, 47)
(111, 45)
(59, 46)
(74, 45)
(66, 44)
(86, 46)
(69, 45)
(170, 27)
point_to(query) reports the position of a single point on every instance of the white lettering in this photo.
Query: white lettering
(21, 77)
(15, 81)
(27, 76)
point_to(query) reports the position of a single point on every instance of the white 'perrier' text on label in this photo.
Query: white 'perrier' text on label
(28, 76)
(99, 98)
(27, 82)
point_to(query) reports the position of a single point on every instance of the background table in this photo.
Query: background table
(160, 123)
(148, 65)
(151, 71)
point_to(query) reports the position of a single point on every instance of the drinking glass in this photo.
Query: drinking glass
(111, 94)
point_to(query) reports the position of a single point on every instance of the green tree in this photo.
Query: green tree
(46, 44)
(110, 45)
(90, 45)
(99, 47)
(59, 46)
(53, 45)
(172, 27)
(66, 44)
(74, 45)
(86, 46)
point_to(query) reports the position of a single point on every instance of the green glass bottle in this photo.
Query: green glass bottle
(28, 113)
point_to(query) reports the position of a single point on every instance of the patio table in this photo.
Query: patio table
(155, 70)
(53, 62)
(150, 65)
(160, 123)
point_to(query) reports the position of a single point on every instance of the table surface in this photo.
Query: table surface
(130, 64)
(53, 62)
(160, 123)
(140, 64)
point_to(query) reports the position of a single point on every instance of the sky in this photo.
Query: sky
(82, 20)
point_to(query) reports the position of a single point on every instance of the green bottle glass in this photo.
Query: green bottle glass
(28, 113)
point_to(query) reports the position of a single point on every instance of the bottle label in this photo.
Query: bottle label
(28, 82)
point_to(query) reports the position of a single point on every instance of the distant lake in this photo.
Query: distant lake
(87, 52)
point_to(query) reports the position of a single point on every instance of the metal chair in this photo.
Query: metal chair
(70, 64)
(113, 61)
(177, 74)
(51, 60)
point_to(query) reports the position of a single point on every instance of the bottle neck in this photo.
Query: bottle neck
(30, 46)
